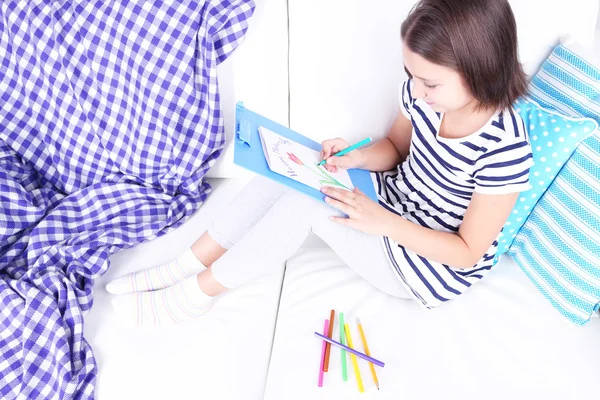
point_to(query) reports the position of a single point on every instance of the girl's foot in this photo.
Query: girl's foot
(182, 301)
(187, 264)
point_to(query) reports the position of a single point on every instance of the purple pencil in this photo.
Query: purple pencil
(350, 350)
(325, 331)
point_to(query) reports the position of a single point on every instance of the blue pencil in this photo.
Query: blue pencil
(349, 149)
(351, 350)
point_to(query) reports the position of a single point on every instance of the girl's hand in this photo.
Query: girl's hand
(363, 213)
(351, 160)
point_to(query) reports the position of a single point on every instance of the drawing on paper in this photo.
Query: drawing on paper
(298, 162)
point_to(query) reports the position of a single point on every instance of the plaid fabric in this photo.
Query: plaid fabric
(109, 121)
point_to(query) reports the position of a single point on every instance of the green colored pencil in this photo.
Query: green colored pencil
(343, 341)
(349, 149)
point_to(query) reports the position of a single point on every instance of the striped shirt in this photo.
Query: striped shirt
(434, 185)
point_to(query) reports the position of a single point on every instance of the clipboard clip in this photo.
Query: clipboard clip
(243, 127)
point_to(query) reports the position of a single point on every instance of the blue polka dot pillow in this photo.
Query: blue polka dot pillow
(553, 139)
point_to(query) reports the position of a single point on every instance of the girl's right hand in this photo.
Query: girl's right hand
(350, 160)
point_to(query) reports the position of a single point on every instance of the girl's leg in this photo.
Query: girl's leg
(279, 234)
(249, 206)
(246, 209)
(270, 242)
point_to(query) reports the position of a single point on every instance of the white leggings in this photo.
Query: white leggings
(267, 223)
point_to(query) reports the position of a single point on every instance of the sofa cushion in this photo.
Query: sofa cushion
(222, 355)
(497, 339)
(346, 64)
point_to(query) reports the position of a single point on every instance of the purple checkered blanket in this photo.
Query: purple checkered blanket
(109, 121)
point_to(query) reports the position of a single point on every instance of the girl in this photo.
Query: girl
(447, 175)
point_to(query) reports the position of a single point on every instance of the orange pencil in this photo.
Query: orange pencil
(329, 334)
(366, 346)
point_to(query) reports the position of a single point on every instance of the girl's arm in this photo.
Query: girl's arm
(387, 153)
(481, 224)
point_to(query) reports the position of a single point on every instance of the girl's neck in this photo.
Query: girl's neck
(472, 109)
(465, 121)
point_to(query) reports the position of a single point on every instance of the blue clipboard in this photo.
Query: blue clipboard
(248, 153)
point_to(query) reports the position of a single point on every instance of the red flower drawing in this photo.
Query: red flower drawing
(325, 177)
(295, 159)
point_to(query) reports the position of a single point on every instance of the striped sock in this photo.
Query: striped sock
(187, 264)
(177, 303)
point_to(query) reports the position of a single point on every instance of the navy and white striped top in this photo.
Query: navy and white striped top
(434, 185)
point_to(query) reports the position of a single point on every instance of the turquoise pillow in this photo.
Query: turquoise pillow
(559, 245)
(553, 139)
(569, 81)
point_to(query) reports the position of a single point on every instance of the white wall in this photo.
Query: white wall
(597, 45)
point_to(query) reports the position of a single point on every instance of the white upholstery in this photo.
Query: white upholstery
(597, 40)
(500, 340)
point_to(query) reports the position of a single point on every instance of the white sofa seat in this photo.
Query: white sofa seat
(222, 355)
(500, 340)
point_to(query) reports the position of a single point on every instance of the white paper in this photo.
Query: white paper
(298, 162)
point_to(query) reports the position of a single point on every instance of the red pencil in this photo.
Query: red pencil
(325, 329)
(329, 334)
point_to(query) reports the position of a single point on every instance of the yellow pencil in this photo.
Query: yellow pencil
(354, 360)
(364, 341)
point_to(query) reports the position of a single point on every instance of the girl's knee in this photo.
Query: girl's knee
(267, 185)
(305, 205)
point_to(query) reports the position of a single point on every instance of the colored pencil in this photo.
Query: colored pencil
(348, 149)
(329, 335)
(325, 330)
(343, 341)
(366, 346)
(351, 350)
(361, 389)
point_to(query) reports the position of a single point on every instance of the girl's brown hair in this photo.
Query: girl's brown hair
(476, 38)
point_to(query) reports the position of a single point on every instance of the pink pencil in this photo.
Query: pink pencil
(325, 330)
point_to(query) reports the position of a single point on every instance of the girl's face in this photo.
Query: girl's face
(440, 87)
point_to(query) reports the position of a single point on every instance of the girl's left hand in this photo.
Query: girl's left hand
(363, 213)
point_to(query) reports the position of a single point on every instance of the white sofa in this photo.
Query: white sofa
(332, 68)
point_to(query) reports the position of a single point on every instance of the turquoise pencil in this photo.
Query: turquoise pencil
(343, 341)
(349, 149)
